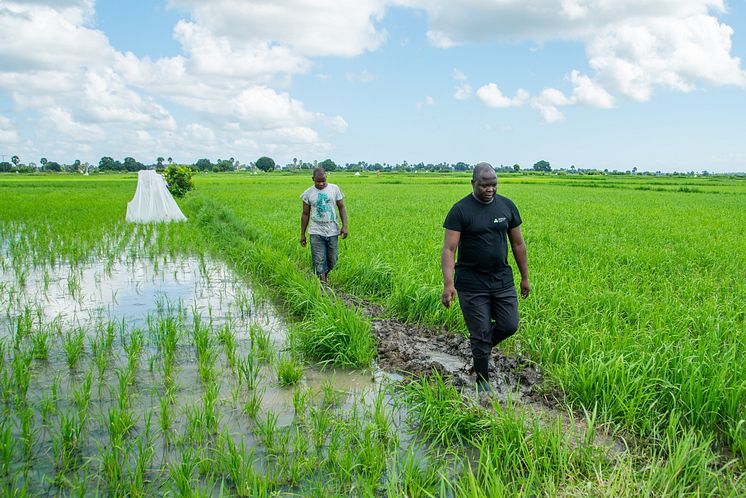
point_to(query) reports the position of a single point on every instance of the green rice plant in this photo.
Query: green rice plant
(321, 421)
(21, 376)
(165, 419)
(201, 336)
(82, 395)
(330, 395)
(7, 447)
(73, 345)
(248, 369)
(195, 432)
(39, 344)
(121, 422)
(440, 414)
(110, 334)
(66, 443)
(183, 473)
(23, 327)
(133, 348)
(140, 467)
(111, 468)
(381, 419)
(267, 430)
(100, 353)
(684, 466)
(227, 338)
(28, 433)
(261, 343)
(254, 403)
(206, 365)
(209, 405)
(3, 350)
(124, 381)
(77, 483)
(334, 334)
(289, 371)
(238, 463)
(301, 395)
(413, 474)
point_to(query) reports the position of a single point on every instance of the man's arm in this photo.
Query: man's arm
(518, 246)
(343, 217)
(447, 265)
(304, 217)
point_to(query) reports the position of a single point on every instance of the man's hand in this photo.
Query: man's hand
(343, 232)
(525, 288)
(303, 241)
(449, 295)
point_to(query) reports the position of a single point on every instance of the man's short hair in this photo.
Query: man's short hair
(481, 168)
(318, 171)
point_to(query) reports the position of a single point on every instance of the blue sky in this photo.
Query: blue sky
(657, 85)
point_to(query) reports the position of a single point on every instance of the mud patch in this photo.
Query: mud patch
(419, 351)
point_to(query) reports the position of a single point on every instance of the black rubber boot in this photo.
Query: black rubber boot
(481, 368)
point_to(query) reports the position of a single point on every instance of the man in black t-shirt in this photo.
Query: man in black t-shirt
(480, 226)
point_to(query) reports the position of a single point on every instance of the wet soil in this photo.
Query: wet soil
(413, 350)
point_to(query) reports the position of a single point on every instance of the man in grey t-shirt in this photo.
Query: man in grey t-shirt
(320, 205)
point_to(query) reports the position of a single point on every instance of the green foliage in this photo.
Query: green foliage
(289, 371)
(265, 163)
(542, 166)
(328, 165)
(53, 166)
(179, 179)
(203, 164)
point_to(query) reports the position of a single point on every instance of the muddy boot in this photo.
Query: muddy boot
(481, 370)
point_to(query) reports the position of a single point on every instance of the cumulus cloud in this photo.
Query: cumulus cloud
(492, 96)
(233, 60)
(548, 102)
(634, 46)
(586, 91)
(319, 28)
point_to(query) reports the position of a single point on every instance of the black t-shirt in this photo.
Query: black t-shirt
(483, 247)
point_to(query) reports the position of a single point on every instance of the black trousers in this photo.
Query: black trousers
(491, 317)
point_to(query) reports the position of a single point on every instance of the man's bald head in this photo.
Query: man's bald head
(481, 169)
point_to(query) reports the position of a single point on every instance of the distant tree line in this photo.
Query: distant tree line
(266, 163)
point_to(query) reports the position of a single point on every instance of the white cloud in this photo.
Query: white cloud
(84, 93)
(62, 121)
(215, 54)
(492, 96)
(318, 28)
(458, 75)
(635, 57)
(547, 103)
(8, 134)
(634, 46)
(462, 91)
(586, 91)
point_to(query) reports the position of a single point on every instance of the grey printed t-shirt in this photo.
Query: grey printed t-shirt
(323, 209)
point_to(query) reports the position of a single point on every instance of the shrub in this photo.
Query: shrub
(179, 179)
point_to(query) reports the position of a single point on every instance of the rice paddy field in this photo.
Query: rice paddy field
(204, 359)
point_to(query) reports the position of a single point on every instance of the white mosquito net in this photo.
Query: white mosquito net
(152, 202)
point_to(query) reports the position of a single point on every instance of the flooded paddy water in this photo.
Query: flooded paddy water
(143, 376)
